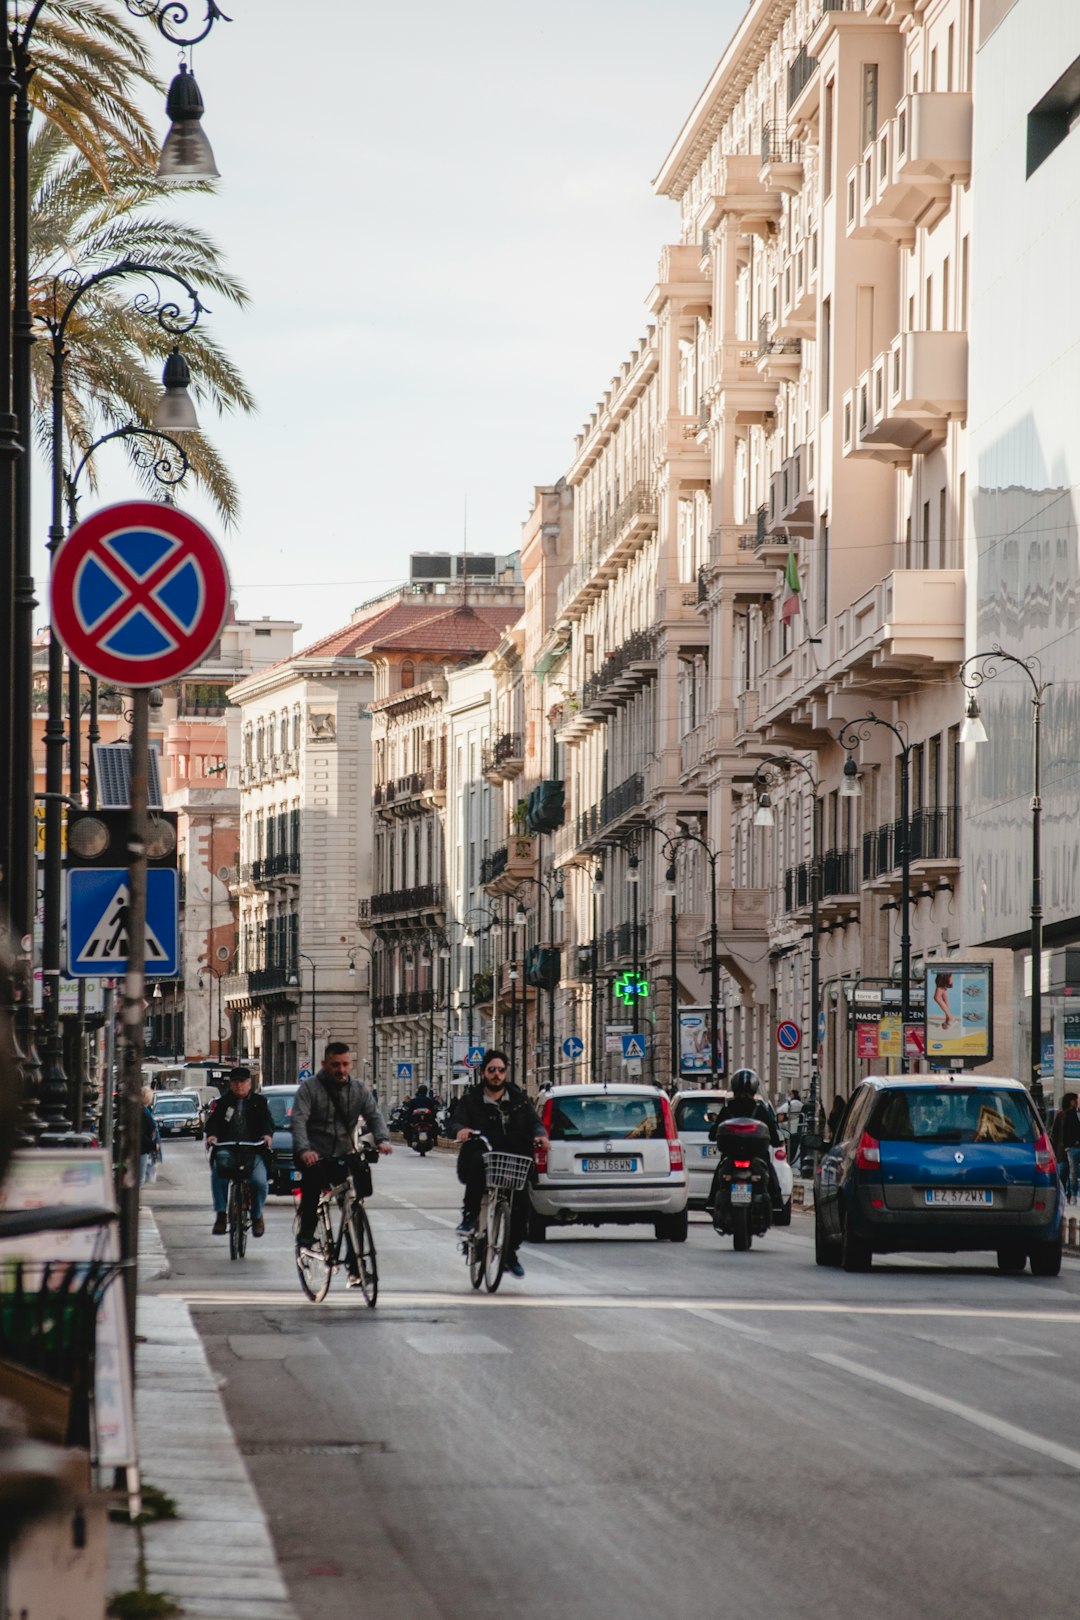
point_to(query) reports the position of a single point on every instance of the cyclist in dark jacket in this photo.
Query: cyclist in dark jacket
(240, 1116)
(508, 1119)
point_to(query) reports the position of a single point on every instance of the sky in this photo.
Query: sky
(445, 219)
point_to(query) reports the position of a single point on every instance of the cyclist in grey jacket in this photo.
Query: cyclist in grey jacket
(326, 1110)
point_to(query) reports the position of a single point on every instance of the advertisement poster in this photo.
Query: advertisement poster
(694, 1044)
(959, 1011)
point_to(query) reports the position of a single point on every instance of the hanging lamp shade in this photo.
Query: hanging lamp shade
(186, 153)
(176, 409)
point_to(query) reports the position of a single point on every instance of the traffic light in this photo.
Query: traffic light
(100, 838)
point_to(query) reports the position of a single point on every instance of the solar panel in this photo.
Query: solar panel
(112, 771)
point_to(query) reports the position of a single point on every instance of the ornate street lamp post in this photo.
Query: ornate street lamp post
(974, 671)
(671, 847)
(556, 907)
(772, 768)
(849, 737)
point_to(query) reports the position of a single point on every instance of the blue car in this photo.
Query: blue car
(940, 1165)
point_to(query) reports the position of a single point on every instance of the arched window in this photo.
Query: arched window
(408, 675)
(284, 734)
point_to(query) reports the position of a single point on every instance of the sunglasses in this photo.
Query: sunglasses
(496, 1068)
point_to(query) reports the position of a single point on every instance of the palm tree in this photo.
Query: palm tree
(115, 354)
(89, 65)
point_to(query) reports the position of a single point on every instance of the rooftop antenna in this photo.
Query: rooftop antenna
(465, 552)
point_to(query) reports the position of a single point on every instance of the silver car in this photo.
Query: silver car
(614, 1157)
(695, 1112)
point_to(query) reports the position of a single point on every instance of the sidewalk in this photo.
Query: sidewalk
(216, 1559)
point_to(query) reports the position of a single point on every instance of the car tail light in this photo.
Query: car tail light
(1045, 1162)
(742, 1164)
(669, 1120)
(868, 1152)
(540, 1153)
(675, 1155)
(780, 1154)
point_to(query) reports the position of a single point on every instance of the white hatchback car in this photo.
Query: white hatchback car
(695, 1112)
(614, 1157)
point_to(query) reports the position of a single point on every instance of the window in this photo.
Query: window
(826, 354)
(827, 141)
(1053, 118)
(958, 1114)
(591, 1119)
(869, 103)
(408, 675)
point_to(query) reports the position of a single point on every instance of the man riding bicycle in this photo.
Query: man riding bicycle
(504, 1114)
(238, 1116)
(326, 1110)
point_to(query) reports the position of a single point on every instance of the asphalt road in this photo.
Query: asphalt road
(642, 1429)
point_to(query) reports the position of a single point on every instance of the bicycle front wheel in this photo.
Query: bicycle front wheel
(237, 1234)
(313, 1266)
(498, 1243)
(361, 1247)
(476, 1248)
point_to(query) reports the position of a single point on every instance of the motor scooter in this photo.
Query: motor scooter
(420, 1131)
(740, 1200)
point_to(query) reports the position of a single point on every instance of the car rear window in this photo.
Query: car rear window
(587, 1119)
(697, 1113)
(174, 1105)
(280, 1111)
(953, 1114)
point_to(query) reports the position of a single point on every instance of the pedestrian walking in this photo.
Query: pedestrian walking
(1065, 1141)
(149, 1140)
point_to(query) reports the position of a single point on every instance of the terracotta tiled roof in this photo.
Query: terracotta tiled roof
(411, 626)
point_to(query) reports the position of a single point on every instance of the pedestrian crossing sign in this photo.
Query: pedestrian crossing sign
(475, 1057)
(404, 1071)
(633, 1046)
(97, 922)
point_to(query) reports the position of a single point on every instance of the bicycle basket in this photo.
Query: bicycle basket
(507, 1170)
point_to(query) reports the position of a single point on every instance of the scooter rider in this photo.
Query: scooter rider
(422, 1103)
(744, 1103)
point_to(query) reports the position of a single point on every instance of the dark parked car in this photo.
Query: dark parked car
(177, 1115)
(284, 1173)
(926, 1163)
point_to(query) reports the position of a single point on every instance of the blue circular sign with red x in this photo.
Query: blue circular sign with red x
(788, 1036)
(140, 592)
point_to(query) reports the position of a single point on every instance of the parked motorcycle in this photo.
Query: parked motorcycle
(741, 1200)
(420, 1131)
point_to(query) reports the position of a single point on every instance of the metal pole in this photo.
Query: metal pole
(513, 1008)
(54, 1080)
(594, 1045)
(714, 968)
(905, 909)
(12, 649)
(313, 1015)
(1036, 905)
(108, 1117)
(551, 994)
(635, 1010)
(134, 990)
(674, 990)
(815, 959)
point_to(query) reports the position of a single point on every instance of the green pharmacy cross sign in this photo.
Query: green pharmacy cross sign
(630, 987)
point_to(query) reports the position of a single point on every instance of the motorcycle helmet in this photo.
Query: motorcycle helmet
(744, 1083)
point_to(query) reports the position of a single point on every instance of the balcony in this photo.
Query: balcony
(744, 394)
(622, 799)
(736, 569)
(608, 543)
(426, 897)
(276, 869)
(503, 759)
(781, 161)
(404, 1004)
(798, 303)
(503, 870)
(623, 671)
(933, 853)
(778, 357)
(769, 545)
(266, 981)
(907, 629)
(410, 793)
(801, 74)
(904, 402)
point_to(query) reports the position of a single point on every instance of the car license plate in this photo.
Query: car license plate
(710, 1150)
(610, 1162)
(958, 1195)
(740, 1192)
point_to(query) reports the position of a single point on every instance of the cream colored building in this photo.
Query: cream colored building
(823, 187)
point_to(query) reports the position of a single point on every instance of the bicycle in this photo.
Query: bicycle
(486, 1249)
(238, 1204)
(316, 1266)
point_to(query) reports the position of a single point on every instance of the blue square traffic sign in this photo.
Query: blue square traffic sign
(97, 922)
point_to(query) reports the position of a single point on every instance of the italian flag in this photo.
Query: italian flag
(790, 605)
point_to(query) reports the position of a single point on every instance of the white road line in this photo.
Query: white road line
(968, 1414)
(575, 1302)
